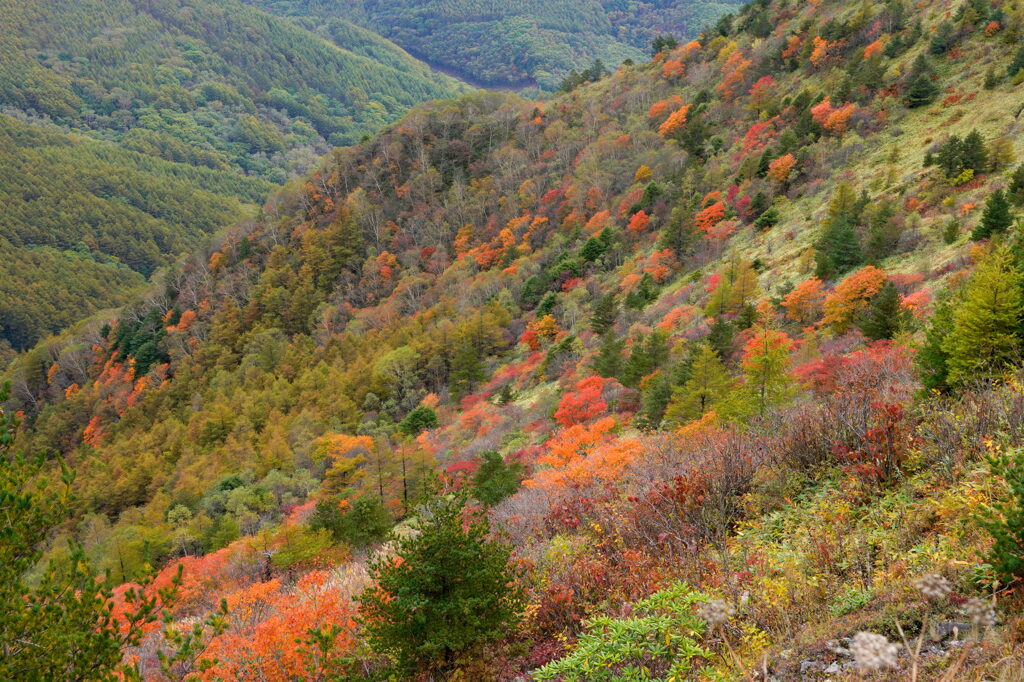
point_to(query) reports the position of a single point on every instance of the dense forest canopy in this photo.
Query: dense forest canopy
(691, 371)
(83, 222)
(211, 83)
(131, 131)
(498, 43)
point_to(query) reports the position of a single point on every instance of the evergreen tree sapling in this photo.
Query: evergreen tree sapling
(1004, 519)
(996, 218)
(885, 315)
(984, 336)
(446, 589)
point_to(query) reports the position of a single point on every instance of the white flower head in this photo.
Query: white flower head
(715, 612)
(980, 612)
(933, 586)
(874, 652)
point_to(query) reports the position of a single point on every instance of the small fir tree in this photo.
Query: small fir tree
(885, 315)
(446, 589)
(984, 337)
(495, 479)
(605, 312)
(996, 218)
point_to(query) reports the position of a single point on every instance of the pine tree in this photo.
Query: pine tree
(974, 152)
(1017, 64)
(648, 354)
(608, 362)
(605, 312)
(884, 316)
(417, 421)
(1004, 519)
(654, 398)
(664, 43)
(883, 233)
(758, 205)
(1016, 190)
(467, 369)
(708, 383)
(592, 250)
(984, 337)
(644, 292)
(721, 336)
(838, 250)
(547, 304)
(921, 90)
(944, 38)
(494, 479)
(996, 218)
(450, 589)
(951, 232)
(950, 157)
(932, 358)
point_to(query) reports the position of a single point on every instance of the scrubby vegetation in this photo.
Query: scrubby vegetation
(709, 369)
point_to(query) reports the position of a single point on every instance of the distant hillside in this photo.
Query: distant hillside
(517, 43)
(83, 222)
(210, 83)
(182, 111)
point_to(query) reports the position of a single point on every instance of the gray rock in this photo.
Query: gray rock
(950, 630)
(811, 667)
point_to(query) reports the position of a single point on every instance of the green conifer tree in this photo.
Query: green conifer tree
(838, 250)
(452, 589)
(885, 315)
(1015, 192)
(996, 218)
(708, 383)
(932, 358)
(605, 312)
(494, 479)
(921, 89)
(974, 152)
(467, 369)
(984, 337)
(608, 362)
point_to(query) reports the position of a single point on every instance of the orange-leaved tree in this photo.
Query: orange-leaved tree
(851, 296)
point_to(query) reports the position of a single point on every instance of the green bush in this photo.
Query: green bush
(658, 642)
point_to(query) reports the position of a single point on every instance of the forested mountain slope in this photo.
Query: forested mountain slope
(737, 324)
(213, 83)
(202, 107)
(512, 44)
(83, 222)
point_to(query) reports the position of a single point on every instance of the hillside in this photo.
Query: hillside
(725, 348)
(528, 43)
(181, 113)
(83, 222)
(213, 84)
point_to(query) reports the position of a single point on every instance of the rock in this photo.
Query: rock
(950, 629)
(832, 669)
(838, 647)
(811, 667)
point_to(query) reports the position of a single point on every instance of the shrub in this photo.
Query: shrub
(656, 643)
